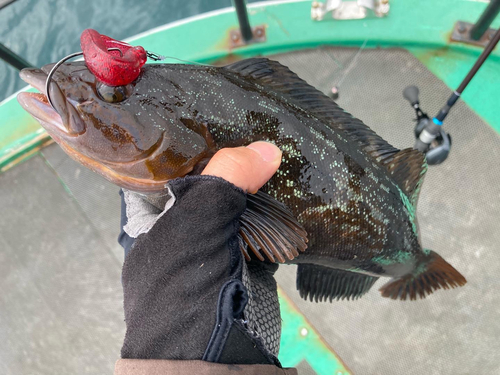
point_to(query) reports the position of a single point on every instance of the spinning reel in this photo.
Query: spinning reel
(432, 140)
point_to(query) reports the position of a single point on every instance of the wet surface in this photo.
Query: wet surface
(450, 332)
(61, 301)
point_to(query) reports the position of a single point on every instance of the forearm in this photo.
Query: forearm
(166, 367)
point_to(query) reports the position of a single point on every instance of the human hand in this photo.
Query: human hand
(249, 167)
(188, 292)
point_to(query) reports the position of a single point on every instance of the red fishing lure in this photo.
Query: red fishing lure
(111, 67)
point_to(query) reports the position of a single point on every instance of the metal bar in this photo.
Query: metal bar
(12, 59)
(241, 11)
(4, 3)
(485, 20)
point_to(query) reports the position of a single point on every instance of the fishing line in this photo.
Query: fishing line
(156, 57)
(352, 64)
(336, 61)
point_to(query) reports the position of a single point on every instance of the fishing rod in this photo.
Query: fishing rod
(432, 140)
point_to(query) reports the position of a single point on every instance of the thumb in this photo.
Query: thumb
(248, 167)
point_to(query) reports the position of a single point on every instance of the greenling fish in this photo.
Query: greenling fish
(353, 194)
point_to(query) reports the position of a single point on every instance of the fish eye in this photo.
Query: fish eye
(113, 94)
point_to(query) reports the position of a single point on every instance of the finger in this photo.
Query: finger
(246, 167)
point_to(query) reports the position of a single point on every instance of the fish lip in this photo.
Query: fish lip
(38, 106)
(34, 77)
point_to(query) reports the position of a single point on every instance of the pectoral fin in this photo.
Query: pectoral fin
(320, 283)
(269, 228)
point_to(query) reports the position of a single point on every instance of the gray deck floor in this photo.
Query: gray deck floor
(61, 300)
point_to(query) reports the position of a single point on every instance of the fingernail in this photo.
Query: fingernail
(267, 151)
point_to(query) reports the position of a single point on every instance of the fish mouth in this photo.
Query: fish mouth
(64, 119)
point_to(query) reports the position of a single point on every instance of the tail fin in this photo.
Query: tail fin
(432, 274)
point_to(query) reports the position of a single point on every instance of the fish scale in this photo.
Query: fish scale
(341, 188)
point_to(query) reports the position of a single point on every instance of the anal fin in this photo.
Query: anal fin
(268, 227)
(320, 283)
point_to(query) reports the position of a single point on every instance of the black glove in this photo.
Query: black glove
(188, 293)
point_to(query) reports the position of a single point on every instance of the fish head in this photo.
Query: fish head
(132, 135)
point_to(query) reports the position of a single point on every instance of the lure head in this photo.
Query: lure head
(131, 134)
(113, 62)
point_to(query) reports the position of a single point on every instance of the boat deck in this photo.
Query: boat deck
(61, 300)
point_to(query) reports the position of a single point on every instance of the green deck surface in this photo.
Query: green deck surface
(424, 30)
(300, 341)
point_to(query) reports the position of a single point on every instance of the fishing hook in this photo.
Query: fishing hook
(151, 55)
(58, 64)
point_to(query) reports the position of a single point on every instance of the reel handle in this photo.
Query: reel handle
(410, 93)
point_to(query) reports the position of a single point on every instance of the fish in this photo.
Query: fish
(342, 205)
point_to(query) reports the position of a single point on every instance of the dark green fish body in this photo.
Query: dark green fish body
(352, 192)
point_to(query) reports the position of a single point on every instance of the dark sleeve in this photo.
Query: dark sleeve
(166, 367)
(176, 276)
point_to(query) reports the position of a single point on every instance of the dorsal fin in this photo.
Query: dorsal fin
(281, 80)
(407, 166)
